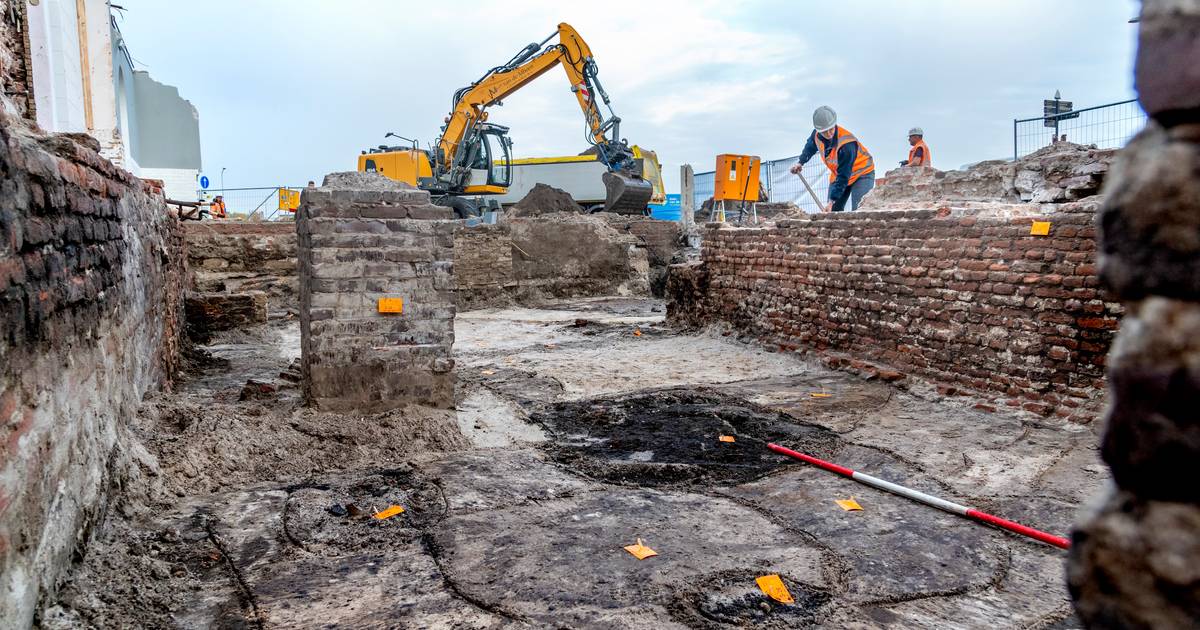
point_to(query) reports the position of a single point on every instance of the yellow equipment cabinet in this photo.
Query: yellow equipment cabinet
(736, 178)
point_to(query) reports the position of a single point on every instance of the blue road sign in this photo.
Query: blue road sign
(204, 182)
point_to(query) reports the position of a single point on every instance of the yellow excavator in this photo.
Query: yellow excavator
(472, 158)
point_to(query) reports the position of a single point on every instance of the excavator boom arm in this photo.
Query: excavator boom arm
(576, 59)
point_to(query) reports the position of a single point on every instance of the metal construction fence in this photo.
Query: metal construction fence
(272, 203)
(1106, 126)
(779, 184)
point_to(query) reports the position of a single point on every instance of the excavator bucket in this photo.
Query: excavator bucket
(626, 194)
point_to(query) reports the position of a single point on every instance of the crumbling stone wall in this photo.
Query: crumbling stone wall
(237, 257)
(662, 239)
(355, 247)
(560, 255)
(976, 302)
(1059, 173)
(1135, 562)
(91, 282)
(241, 273)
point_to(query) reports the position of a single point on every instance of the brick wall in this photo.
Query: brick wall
(235, 257)
(974, 301)
(661, 239)
(91, 280)
(355, 247)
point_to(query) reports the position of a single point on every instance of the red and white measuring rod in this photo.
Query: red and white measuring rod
(941, 504)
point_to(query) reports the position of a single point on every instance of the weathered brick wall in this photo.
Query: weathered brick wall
(662, 240)
(241, 273)
(483, 266)
(967, 300)
(355, 247)
(16, 67)
(236, 256)
(91, 281)
(527, 261)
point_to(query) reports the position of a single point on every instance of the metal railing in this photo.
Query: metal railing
(1106, 126)
(779, 184)
(247, 201)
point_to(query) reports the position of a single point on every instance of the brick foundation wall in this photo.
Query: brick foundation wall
(973, 301)
(91, 282)
(354, 248)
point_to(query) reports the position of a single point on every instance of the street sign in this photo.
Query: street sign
(204, 182)
(1055, 110)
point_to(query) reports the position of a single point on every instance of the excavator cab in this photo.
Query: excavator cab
(490, 162)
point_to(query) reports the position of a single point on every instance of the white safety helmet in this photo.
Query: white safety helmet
(824, 118)
(916, 131)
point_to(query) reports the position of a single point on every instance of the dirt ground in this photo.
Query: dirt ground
(581, 428)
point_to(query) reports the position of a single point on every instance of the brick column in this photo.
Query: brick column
(362, 253)
(1135, 563)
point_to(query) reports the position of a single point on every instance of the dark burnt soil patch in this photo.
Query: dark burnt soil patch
(733, 599)
(671, 437)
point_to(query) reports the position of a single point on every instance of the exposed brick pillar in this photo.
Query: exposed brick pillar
(1136, 562)
(356, 247)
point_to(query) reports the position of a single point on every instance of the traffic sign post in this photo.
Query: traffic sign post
(204, 182)
(1056, 110)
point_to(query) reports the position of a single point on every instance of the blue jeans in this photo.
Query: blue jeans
(855, 192)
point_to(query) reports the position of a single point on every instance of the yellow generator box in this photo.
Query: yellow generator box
(736, 177)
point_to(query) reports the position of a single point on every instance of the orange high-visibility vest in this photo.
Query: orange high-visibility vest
(925, 159)
(863, 164)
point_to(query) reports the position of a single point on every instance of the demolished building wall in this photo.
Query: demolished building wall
(972, 300)
(91, 284)
(1133, 562)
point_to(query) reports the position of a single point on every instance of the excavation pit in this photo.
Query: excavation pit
(673, 437)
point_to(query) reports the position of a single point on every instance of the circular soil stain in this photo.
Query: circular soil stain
(672, 437)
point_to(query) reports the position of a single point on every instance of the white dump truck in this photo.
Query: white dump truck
(579, 175)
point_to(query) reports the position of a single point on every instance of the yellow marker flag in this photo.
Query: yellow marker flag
(727, 438)
(1040, 228)
(640, 551)
(820, 395)
(390, 305)
(389, 513)
(775, 589)
(850, 505)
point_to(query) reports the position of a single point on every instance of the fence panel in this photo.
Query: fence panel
(779, 183)
(247, 201)
(1106, 126)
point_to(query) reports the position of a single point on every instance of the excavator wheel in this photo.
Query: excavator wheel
(626, 194)
(463, 208)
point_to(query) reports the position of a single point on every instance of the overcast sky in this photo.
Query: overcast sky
(289, 90)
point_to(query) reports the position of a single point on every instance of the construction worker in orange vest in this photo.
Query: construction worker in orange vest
(919, 154)
(851, 168)
(217, 209)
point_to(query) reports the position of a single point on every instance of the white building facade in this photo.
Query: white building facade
(84, 81)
